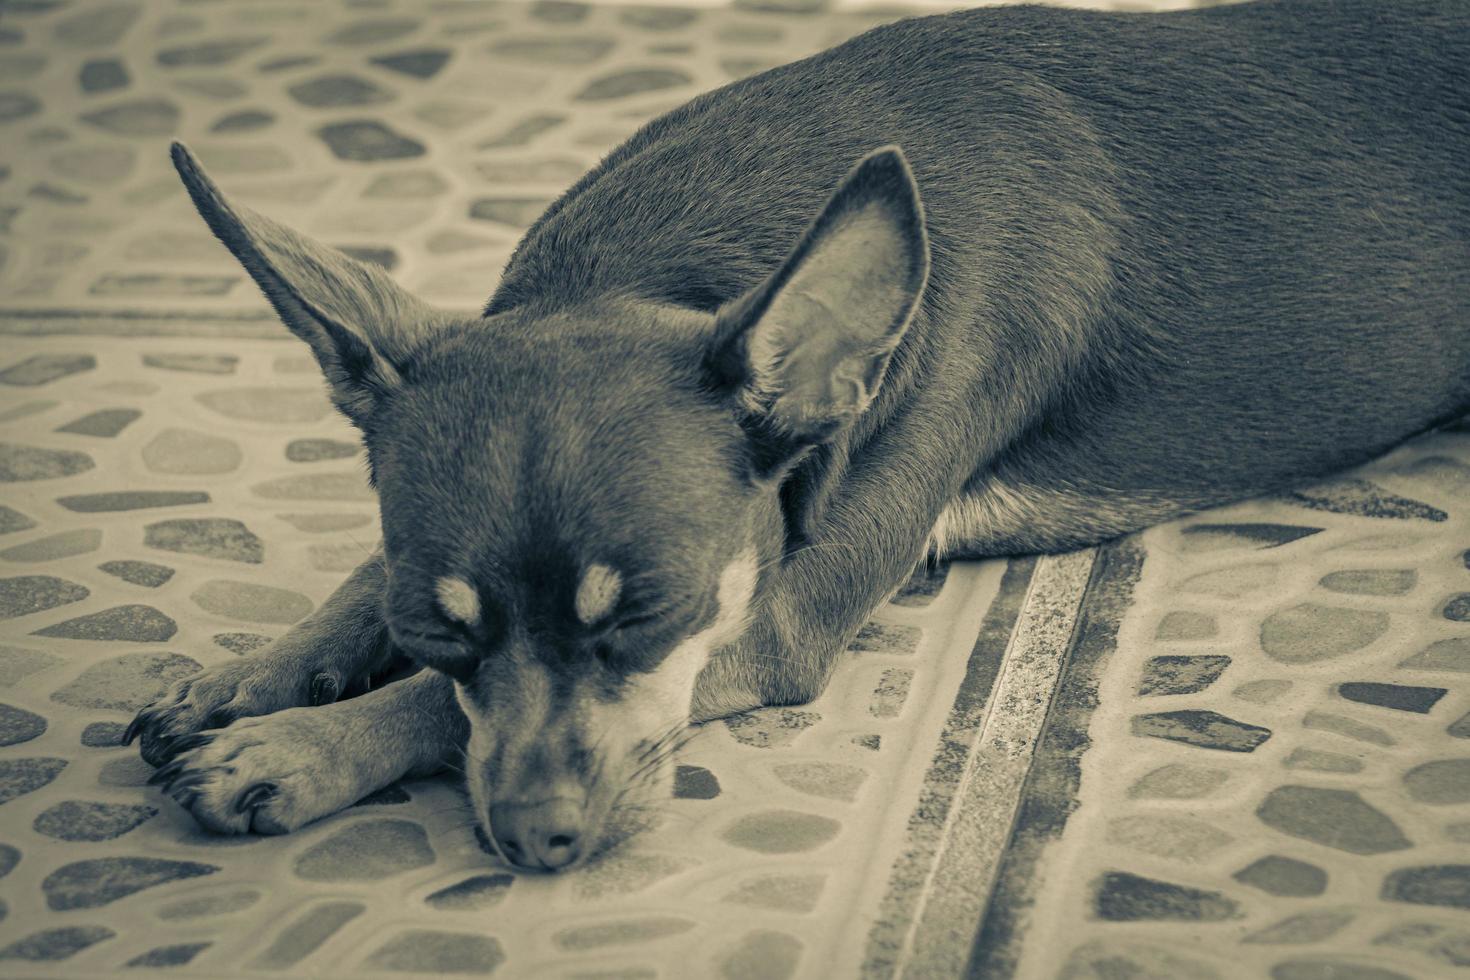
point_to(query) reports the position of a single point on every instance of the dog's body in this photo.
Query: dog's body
(1171, 261)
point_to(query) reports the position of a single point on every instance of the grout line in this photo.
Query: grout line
(979, 825)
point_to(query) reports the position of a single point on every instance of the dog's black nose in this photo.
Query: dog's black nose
(545, 836)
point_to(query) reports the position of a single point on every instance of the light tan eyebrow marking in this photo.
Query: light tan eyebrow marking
(458, 599)
(597, 593)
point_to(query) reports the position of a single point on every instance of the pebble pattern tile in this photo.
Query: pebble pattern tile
(1278, 782)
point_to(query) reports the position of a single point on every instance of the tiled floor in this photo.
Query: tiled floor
(1278, 777)
(1254, 765)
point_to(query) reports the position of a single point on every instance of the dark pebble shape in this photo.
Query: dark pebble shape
(106, 503)
(103, 75)
(1364, 499)
(374, 30)
(1457, 608)
(436, 952)
(313, 450)
(306, 933)
(517, 212)
(127, 682)
(42, 369)
(1259, 535)
(177, 954)
(18, 725)
(695, 783)
(1371, 581)
(1445, 885)
(103, 734)
(1334, 818)
(365, 141)
(553, 50)
(18, 105)
(335, 91)
(144, 573)
(134, 623)
(96, 882)
(886, 638)
(422, 63)
(139, 117)
(21, 464)
(1205, 729)
(210, 537)
(559, 11)
(94, 25)
(13, 520)
(657, 18)
(88, 820)
(1331, 969)
(1441, 782)
(1180, 675)
(241, 643)
(209, 53)
(104, 424)
(67, 544)
(366, 851)
(523, 132)
(49, 945)
(9, 858)
(1460, 728)
(21, 776)
(26, 594)
(1283, 876)
(193, 363)
(1400, 697)
(1122, 897)
(1309, 631)
(634, 81)
(476, 892)
(244, 121)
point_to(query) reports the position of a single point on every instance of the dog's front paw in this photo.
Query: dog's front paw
(269, 774)
(219, 695)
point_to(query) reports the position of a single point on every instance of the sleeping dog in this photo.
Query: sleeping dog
(1007, 280)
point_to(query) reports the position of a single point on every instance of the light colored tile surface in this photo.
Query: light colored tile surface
(1279, 746)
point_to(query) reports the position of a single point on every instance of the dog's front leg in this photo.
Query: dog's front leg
(274, 773)
(862, 550)
(329, 653)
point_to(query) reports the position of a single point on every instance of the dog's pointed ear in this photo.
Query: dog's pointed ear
(806, 350)
(357, 321)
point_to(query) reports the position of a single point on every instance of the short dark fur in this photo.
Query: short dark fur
(1172, 261)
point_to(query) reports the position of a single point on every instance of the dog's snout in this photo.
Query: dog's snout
(545, 836)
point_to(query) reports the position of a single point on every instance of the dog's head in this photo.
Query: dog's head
(579, 503)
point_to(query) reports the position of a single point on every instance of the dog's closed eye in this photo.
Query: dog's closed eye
(443, 651)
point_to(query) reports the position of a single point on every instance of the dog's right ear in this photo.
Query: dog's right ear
(357, 321)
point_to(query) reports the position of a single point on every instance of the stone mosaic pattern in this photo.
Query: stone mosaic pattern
(757, 866)
(1278, 778)
(422, 137)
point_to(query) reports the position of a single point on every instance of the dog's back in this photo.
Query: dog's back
(1236, 239)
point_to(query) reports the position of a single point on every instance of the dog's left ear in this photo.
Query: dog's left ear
(357, 321)
(806, 350)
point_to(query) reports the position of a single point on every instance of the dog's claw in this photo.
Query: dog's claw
(256, 796)
(135, 727)
(324, 689)
(166, 774)
(188, 743)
